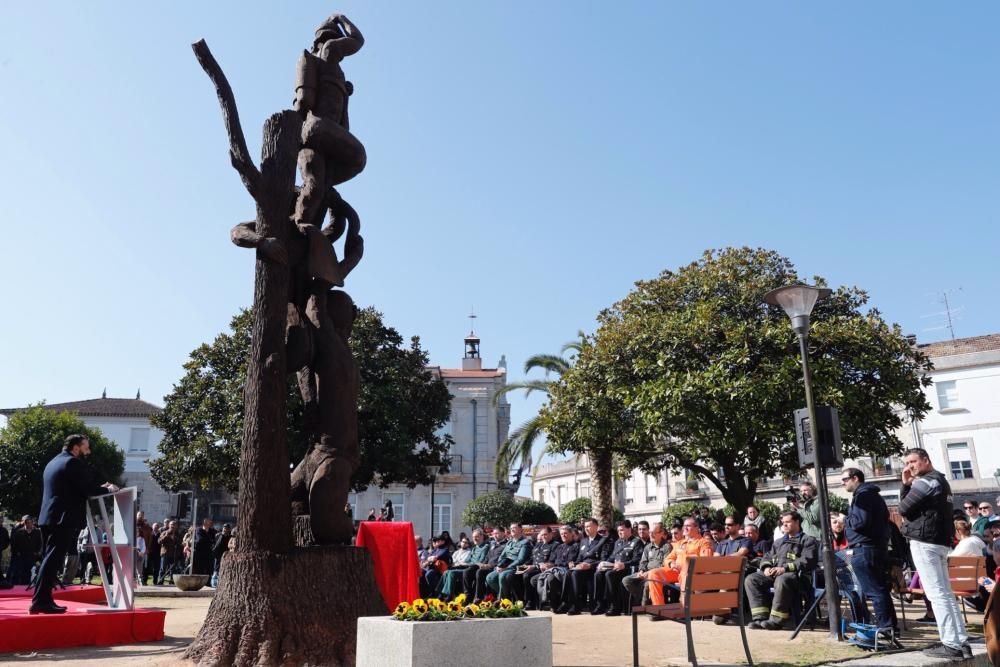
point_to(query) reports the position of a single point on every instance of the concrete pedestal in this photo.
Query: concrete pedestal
(496, 642)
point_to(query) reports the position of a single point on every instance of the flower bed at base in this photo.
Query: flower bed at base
(434, 609)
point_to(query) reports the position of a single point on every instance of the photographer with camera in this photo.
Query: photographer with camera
(805, 501)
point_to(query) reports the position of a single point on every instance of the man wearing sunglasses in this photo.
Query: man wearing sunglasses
(867, 528)
(986, 517)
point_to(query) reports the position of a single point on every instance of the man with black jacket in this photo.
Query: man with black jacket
(867, 528)
(623, 559)
(579, 584)
(68, 483)
(550, 582)
(926, 504)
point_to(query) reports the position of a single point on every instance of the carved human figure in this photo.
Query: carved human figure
(330, 154)
(329, 385)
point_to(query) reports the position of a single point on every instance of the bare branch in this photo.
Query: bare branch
(238, 153)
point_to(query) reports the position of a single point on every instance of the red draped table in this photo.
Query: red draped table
(394, 554)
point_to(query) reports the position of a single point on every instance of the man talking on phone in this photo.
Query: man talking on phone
(68, 483)
(926, 504)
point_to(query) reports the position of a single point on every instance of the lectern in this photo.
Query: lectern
(119, 529)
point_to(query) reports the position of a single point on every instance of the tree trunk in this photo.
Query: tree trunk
(276, 605)
(600, 486)
(296, 608)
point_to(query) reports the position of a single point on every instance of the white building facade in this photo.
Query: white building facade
(125, 422)
(477, 427)
(961, 433)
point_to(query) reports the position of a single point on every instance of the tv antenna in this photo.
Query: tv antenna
(950, 312)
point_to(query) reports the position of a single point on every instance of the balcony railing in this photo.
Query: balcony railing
(690, 490)
(454, 465)
(880, 469)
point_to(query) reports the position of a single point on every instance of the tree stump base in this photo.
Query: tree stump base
(299, 608)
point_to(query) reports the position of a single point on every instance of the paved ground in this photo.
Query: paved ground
(579, 641)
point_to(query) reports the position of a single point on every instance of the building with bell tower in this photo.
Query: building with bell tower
(477, 427)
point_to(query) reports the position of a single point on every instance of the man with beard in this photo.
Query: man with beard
(68, 483)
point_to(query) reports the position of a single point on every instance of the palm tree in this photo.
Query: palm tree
(516, 449)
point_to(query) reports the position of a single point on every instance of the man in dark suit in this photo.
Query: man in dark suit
(579, 585)
(68, 483)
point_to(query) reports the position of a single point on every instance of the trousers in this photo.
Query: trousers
(870, 568)
(932, 564)
(762, 604)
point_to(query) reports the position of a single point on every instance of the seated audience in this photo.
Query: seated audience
(652, 559)
(478, 590)
(674, 567)
(579, 585)
(623, 559)
(437, 560)
(548, 583)
(543, 552)
(794, 555)
(517, 552)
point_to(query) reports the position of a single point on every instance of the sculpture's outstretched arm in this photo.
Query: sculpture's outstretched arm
(239, 155)
(245, 236)
(352, 41)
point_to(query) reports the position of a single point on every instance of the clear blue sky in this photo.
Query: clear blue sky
(530, 159)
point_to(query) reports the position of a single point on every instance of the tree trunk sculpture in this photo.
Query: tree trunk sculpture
(277, 603)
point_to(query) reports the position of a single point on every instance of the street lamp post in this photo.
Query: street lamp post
(432, 471)
(797, 302)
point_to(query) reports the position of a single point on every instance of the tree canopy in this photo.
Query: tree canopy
(401, 406)
(535, 512)
(28, 442)
(692, 371)
(579, 509)
(494, 509)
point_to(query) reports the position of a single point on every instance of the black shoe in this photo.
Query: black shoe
(720, 620)
(655, 617)
(966, 651)
(572, 611)
(598, 610)
(943, 651)
(755, 625)
(46, 608)
(561, 609)
(530, 607)
(612, 612)
(927, 619)
(772, 625)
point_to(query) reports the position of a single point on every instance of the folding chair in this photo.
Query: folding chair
(714, 586)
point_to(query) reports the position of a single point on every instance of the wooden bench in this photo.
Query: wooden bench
(713, 586)
(963, 573)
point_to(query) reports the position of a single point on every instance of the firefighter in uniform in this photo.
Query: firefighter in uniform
(793, 556)
(548, 583)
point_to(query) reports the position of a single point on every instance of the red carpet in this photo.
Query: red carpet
(397, 571)
(21, 632)
(90, 594)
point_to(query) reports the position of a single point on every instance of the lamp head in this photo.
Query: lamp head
(797, 301)
(432, 470)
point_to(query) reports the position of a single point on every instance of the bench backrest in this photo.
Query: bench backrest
(713, 583)
(964, 572)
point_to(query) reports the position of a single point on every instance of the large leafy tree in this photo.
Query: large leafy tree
(709, 377)
(28, 442)
(400, 409)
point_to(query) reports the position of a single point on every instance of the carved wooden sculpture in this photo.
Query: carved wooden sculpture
(278, 603)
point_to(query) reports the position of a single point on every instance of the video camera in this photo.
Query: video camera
(792, 494)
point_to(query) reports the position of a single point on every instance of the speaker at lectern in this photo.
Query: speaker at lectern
(119, 527)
